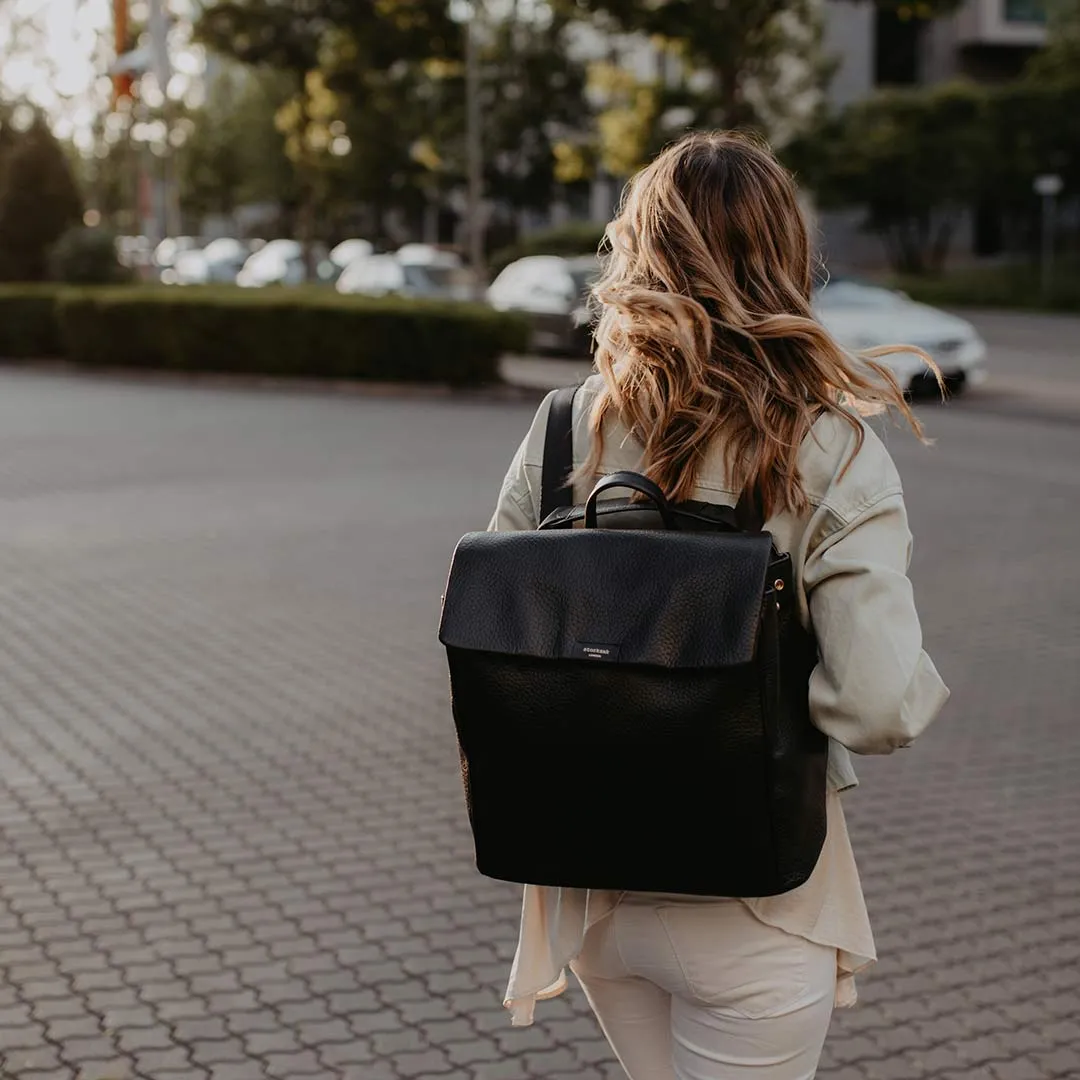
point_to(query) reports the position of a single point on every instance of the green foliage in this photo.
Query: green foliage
(580, 238)
(407, 125)
(284, 333)
(914, 158)
(85, 256)
(761, 57)
(28, 325)
(235, 153)
(1037, 119)
(346, 36)
(917, 158)
(1013, 286)
(920, 9)
(534, 93)
(39, 201)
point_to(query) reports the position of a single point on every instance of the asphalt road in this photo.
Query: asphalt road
(233, 840)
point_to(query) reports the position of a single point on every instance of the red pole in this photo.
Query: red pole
(122, 83)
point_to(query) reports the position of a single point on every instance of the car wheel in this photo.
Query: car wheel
(924, 387)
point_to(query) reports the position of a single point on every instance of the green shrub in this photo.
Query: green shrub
(279, 332)
(1014, 286)
(28, 325)
(87, 257)
(577, 238)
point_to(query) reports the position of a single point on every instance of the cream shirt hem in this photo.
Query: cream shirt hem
(828, 909)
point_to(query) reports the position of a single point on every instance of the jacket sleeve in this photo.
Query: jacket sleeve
(519, 499)
(514, 510)
(874, 688)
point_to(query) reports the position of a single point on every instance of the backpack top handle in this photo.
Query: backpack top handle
(556, 492)
(635, 482)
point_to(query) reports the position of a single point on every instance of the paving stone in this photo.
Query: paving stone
(417, 1064)
(339, 1055)
(234, 839)
(303, 1063)
(214, 1052)
(1019, 1069)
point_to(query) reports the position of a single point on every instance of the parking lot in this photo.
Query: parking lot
(234, 842)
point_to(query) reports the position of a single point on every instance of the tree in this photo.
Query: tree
(914, 158)
(324, 48)
(1035, 121)
(534, 94)
(235, 153)
(39, 201)
(759, 60)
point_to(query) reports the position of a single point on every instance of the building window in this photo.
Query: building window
(896, 49)
(1025, 11)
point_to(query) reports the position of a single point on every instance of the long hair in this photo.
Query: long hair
(706, 327)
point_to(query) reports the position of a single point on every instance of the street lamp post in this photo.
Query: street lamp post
(474, 152)
(1048, 187)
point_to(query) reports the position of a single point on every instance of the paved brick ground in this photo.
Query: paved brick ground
(233, 842)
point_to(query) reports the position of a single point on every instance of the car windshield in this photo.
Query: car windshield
(583, 277)
(855, 294)
(223, 249)
(430, 278)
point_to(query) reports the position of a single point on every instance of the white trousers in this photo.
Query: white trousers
(706, 991)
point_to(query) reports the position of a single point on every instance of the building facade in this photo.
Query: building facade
(985, 40)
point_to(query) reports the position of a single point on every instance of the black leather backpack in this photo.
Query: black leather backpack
(631, 701)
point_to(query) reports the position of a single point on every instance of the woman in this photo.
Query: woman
(714, 374)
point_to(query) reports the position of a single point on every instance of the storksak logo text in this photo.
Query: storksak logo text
(589, 650)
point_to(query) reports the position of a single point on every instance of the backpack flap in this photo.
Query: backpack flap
(586, 595)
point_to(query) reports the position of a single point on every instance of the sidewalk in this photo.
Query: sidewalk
(1010, 392)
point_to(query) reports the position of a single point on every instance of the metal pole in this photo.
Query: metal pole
(159, 41)
(474, 152)
(170, 177)
(1048, 214)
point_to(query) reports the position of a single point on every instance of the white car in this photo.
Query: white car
(550, 291)
(862, 316)
(218, 263)
(349, 251)
(280, 262)
(436, 278)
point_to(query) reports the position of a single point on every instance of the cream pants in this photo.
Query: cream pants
(706, 991)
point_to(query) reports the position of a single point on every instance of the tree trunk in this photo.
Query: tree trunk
(306, 194)
(906, 246)
(939, 245)
(729, 96)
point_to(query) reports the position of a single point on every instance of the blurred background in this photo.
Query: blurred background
(936, 139)
(281, 284)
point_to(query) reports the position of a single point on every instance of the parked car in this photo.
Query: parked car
(408, 274)
(349, 251)
(280, 262)
(135, 252)
(171, 248)
(550, 290)
(861, 316)
(218, 263)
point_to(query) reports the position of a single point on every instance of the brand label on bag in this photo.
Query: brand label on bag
(594, 650)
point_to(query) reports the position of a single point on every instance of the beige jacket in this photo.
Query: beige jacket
(874, 689)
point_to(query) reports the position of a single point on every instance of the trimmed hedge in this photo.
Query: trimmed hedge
(1014, 286)
(282, 332)
(576, 238)
(28, 325)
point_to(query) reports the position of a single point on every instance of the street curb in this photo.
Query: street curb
(279, 384)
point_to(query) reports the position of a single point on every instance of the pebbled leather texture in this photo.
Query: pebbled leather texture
(624, 683)
(667, 599)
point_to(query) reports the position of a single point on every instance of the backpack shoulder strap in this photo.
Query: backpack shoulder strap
(555, 492)
(749, 513)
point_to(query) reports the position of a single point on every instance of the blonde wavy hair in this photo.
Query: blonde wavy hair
(705, 326)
